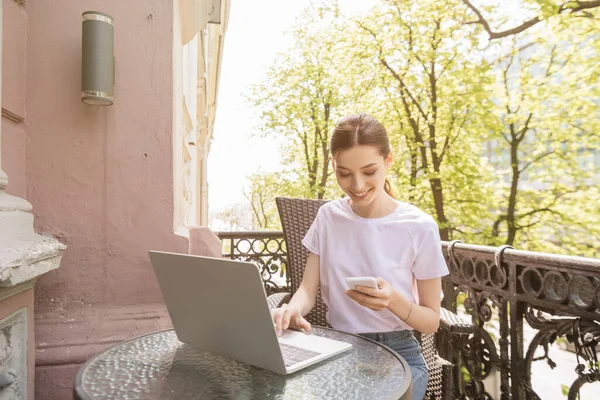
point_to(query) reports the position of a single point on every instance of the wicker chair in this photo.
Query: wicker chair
(297, 216)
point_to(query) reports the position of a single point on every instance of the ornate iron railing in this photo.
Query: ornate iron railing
(556, 296)
(264, 248)
(501, 291)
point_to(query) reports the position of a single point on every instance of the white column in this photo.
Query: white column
(24, 255)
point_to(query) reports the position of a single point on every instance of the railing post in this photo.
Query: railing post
(449, 299)
(505, 324)
(516, 338)
(448, 286)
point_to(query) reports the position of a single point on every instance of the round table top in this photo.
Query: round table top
(159, 366)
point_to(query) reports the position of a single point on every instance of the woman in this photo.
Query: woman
(369, 233)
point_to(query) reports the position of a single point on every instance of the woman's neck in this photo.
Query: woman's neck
(383, 205)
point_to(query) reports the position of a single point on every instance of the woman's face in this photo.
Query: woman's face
(360, 172)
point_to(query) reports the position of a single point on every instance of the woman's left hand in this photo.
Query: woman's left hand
(376, 299)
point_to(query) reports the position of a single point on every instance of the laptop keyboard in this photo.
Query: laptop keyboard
(293, 355)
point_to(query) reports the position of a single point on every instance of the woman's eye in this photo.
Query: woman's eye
(371, 173)
(344, 175)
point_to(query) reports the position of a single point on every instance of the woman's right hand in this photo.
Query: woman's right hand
(288, 316)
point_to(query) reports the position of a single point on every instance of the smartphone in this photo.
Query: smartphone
(353, 281)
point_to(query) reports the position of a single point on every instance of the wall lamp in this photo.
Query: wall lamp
(98, 61)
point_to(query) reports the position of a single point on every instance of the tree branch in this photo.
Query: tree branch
(539, 210)
(570, 6)
(403, 86)
(449, 142)
(523, 131)
(538, 158)
(505, 137)
(476, 231)
(410, 38)
(507, 92)
(304, 139)
(548, 210)
(552, 56)
(254, 210)
(446, 66)
(495, 228)
(393, 71)
(580, 6)
(262, 210)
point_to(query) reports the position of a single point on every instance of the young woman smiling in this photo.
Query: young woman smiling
(369, 233)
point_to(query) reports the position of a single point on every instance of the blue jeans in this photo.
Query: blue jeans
(405, 344)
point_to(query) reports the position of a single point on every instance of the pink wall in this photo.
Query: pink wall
(13, 157)
(14, 29)
(100, 179)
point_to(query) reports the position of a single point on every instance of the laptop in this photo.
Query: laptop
(220, 306)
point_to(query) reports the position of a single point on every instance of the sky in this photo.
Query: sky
(255, 34)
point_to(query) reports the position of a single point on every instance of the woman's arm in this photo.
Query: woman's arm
(424, 317)
(302, 301)
(306, 295)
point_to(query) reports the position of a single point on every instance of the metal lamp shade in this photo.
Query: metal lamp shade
(98, 62)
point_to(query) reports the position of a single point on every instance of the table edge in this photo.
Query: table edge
(82, 396)
(408, 371)
(77, 382)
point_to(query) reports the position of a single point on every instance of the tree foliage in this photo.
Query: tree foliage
(539, 10)
(302, 97)
(497, 139)
(544, 119)
(429, 93)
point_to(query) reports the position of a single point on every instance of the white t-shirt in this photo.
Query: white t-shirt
(395, 247)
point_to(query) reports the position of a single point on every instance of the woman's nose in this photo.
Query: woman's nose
(357, 183)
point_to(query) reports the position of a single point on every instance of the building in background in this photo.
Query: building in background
(103, 185)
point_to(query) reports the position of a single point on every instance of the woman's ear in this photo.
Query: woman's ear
(332, 162)
(389, 160)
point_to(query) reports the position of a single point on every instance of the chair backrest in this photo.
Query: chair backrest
(297, 215)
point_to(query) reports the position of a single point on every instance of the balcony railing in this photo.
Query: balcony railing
(266, 249)
(519, 303)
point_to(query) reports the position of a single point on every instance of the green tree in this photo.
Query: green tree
(540, 10)
(264, 187)
(545, 120)
(261, 196)
(302, 97)
(497, 140)
(430, 87)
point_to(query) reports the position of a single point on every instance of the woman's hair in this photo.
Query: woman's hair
(361, 129)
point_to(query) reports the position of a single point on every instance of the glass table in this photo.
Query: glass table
(158, 366)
